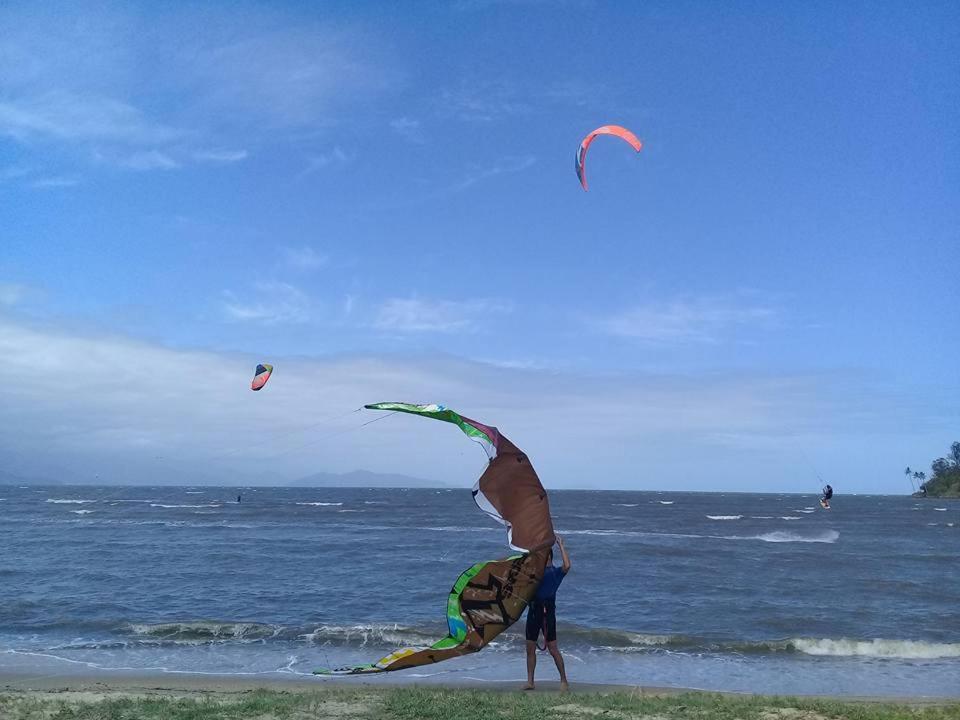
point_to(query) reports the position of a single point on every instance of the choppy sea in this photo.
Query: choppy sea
(744, 592)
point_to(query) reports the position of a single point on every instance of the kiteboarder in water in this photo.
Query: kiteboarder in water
(542, 617)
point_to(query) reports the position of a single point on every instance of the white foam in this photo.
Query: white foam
(208, 505)
(58, 501)
(724, 517)
(624, 504)
(780, 536)
(374, 502)
(940, 509)
(82, 512)
(877, 647)
(790, 517)
(805, 512)
(320, 504)
(665, 502)
(761, 517)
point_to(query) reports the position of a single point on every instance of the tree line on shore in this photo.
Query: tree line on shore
(944, 479)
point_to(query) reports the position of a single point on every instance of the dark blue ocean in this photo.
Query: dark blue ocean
(762, 593)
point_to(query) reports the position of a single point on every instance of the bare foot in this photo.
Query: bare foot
(529, 686)
(564, 686)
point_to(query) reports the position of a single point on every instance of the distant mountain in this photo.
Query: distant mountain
(365, 478)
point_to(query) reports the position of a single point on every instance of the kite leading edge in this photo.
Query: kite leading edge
(616, 131)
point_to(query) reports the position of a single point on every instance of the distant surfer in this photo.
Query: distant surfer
(827, 494)
(542, 617)
(239, 499)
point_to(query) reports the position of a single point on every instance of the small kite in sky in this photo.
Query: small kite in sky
(620, 132)
(260, 376)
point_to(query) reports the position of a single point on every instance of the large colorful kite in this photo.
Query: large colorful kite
(490, 596)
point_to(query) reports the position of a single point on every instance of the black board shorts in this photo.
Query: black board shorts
(540, 612)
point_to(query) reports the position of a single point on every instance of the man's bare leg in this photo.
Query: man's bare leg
(531, 663)
(558, 659)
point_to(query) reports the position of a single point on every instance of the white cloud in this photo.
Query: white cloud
(482, 102)
(412, 315)
(188, 84)
(109, 404)
(275, 303)
(303, 258)
(703, 320)
(408, 128)
(65, 116)
(336, 156)
(150, 160)
(60, 181)
(221, 156)
(503, 166)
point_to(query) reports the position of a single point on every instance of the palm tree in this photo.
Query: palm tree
(908, 473)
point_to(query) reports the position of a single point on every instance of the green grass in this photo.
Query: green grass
(440, 704)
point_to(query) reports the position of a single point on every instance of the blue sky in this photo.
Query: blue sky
(380, 199)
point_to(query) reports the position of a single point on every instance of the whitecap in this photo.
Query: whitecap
(321, 504)
(940, 509)
(877, 647)
(624, 504)
(724, 517)
(208, 505)
(665, 502)
(82, 512)
(780, 536)
(790, 517)
(58, 501)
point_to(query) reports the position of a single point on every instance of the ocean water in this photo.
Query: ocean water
(744, 592)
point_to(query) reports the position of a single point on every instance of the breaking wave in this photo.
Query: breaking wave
(321, 504)
(206, 505)
(724, 517)
(585, 639)
(827, 536)
(878, 647)
(59, 501)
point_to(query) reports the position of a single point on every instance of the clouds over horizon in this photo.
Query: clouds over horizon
(108, 404)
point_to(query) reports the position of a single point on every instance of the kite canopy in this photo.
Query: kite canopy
(509, 489)
(620, 132)
(490, 596)
(485, 600)
(260, 376)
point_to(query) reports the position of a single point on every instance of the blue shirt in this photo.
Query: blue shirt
(552, 577)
